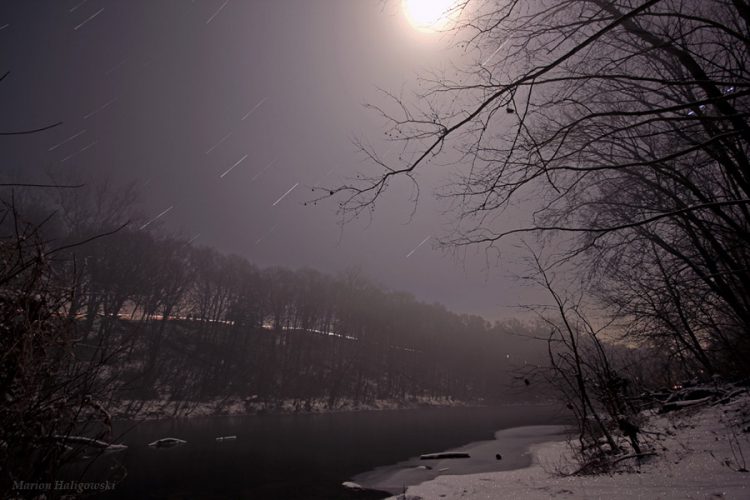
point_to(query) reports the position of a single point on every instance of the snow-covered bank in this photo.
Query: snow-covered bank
(165, 409)
(699, 454)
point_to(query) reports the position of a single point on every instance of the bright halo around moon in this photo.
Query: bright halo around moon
(430, 15)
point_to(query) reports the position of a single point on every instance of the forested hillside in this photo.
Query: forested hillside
(170, 321)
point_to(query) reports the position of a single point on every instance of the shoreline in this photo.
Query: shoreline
(160, 410)
(696, 457)
(513, 444)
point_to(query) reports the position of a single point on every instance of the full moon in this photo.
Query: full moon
(429, 15)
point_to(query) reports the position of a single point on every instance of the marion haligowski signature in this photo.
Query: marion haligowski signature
(76, 486)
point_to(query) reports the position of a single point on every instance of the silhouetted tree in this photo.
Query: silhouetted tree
(627, 121)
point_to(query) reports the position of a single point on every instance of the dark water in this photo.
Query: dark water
(295, 456)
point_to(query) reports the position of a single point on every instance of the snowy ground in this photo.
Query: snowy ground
(699, 453)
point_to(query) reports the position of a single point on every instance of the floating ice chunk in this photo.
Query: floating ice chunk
(91, 442)
(441, 456)
(352, 486)
(167, 442)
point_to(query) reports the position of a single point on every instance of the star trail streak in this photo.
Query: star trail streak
(221, 141)
(100, 108)
(284, 195)
(78, 152)
(254, 108)
(262, 170)
(67, 140)
(157, 217)
(89, 19)
(267, 234)
(417, 247)
(115, 67)
(230, 168)
(75, 7)
(217, 12)
(493, 54)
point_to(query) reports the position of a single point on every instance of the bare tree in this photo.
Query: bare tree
(626, 121)
(52, 385)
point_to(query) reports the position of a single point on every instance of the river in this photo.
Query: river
(307, 456)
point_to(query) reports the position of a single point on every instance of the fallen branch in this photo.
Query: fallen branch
(678, 405)
(635, 455)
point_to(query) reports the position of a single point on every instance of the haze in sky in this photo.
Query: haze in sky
(228, 112)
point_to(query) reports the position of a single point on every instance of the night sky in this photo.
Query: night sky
(218, 108)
